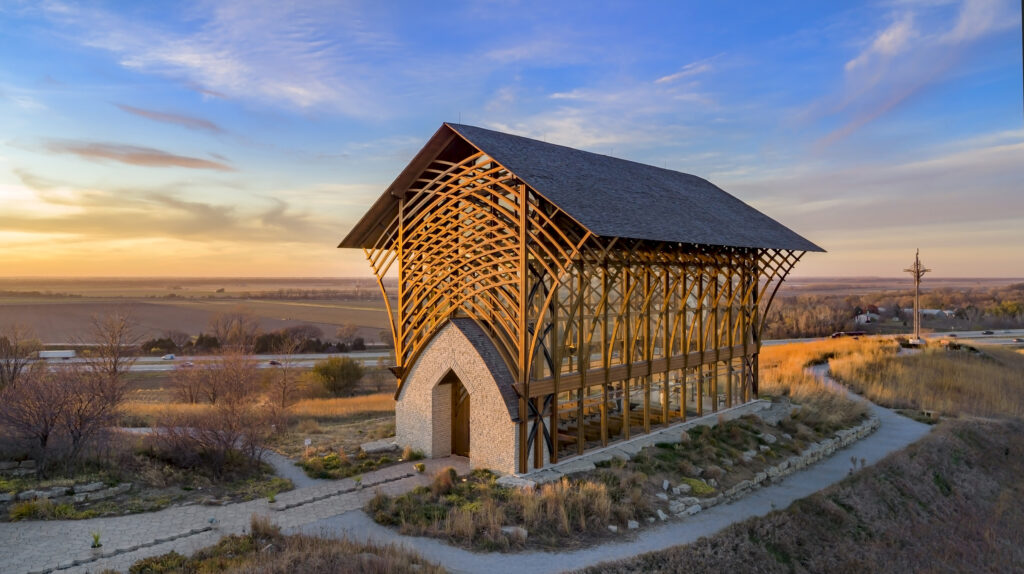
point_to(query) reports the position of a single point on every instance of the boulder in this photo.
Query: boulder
(769, 438)
(662, 516)
(763, 448)
(662, 496)
(613, 528)
(517, 532)
(692, 510)
(684, 488)
(665, 484)
(632, 525)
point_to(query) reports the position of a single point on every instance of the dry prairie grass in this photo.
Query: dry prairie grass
(265, 550)
(784, 373)
(472, 510)
(990, 383)
(344, 407)
(948, 503)
(145, 412)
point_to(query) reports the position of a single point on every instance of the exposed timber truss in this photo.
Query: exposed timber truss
(604, 336)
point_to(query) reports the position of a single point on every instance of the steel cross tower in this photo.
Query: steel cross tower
(917, 270)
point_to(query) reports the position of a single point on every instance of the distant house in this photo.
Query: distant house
(865, 318)
(932, 313)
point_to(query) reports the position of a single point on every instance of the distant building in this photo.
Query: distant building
(865, 318)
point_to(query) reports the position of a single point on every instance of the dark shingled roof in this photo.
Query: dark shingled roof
(492, 358)
(614, 197)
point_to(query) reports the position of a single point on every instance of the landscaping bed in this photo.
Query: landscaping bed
(265, 549)
(709, 465)
(137, 481)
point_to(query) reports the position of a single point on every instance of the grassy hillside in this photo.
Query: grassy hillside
(950, 503)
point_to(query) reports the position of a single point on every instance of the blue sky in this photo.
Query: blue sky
(246, 137)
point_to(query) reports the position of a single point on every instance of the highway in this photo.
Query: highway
(370, 358)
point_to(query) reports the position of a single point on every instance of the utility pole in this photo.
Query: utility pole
(917, 270)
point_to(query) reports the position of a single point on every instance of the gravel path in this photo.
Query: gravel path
(894, 433)
(333, 508)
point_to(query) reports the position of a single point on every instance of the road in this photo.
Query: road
(156, 364)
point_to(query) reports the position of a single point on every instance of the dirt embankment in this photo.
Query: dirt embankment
(953, 502)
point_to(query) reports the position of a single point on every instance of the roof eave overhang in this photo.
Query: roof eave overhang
(369, 227)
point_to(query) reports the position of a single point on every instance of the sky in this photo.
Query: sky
(245, 138)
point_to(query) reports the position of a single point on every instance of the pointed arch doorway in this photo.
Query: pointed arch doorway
(460, 415)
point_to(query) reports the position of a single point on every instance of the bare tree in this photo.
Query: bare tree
(179, 338)
(285, 381)
(88, 409)
(347, 333)
(231, 378)
(303, 332)
(114, 339)
(33, 410)
(189, 384)
(17, 345)
(236, 328)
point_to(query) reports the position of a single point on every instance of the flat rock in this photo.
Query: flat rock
(379, 446)
(661, 515)
(613, 528)
(632, 525)
(512, 481)
(90, 487)
(769, 438)
(662, 496)
(690, 511)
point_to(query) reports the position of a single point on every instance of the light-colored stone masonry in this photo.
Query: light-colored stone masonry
(423, 412)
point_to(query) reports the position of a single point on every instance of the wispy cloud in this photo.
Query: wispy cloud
(132, 155)
(166, 212)
(302, 55)
(918, 47)
(689, 70)
(190, 122)
(891, 41)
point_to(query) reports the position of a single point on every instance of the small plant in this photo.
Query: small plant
(272, 498)
(420, 467)
(96, 539)
(411, 454)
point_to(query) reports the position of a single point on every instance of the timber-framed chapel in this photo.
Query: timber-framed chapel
(551, 300)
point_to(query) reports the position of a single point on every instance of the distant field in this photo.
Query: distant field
(59, 310)
(865, 285)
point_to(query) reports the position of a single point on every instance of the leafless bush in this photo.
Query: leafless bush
(17, 345)
(238, 423)
(33, 409)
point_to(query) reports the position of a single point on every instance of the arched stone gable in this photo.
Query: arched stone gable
(423, 412)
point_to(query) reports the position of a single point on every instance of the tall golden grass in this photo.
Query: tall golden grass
(346, 406)
(990, 383)
(784, 373)
(139, 412)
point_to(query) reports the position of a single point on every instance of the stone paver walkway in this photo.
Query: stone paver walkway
(63, 545)
(333, 508)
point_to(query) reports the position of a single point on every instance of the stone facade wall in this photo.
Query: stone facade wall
(423, 412)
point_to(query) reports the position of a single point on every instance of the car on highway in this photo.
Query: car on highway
(988, 333)
(1018, 340)
(168, 357)
(952, 335)
(274, 363)
(188, 364)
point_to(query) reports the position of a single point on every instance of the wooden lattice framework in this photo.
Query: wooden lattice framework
(586, 324)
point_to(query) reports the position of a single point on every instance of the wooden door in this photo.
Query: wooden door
(460, 419)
